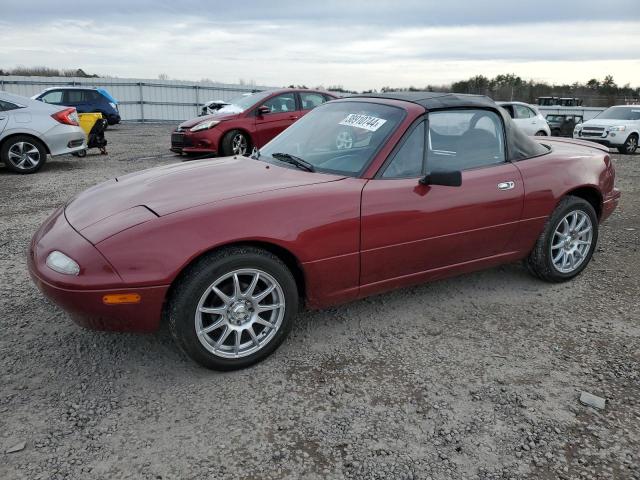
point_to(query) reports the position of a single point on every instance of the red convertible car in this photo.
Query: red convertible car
(433, 185)
(247, 121)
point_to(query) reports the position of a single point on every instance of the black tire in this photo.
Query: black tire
(555, 132)
(197, 281)
(630, 145)
(539, 261)
(541, 133)
(229, 145)
(11, 147)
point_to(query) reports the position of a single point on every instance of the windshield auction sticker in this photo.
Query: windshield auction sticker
(363, 121)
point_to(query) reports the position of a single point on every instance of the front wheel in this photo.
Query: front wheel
(630, 146)
(233, 308)
(566, 245)
(235, 143)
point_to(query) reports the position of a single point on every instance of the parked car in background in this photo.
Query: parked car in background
(562, 125)
(31, 130)
(84, 100)
(616, 127)
(212, 106)
(527, 117)
(248, 121)
(437, 185)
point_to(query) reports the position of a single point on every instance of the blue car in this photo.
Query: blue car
(84, 99)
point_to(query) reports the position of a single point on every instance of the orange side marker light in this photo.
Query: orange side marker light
(121, 298)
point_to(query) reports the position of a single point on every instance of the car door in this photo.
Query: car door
(77, 99)
(526, 119)
(310, 100)
(283, 111)
(54, 97)
(410, 230)
(5, 108)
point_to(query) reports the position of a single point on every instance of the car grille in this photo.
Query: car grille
(592, 132)
(179, 140)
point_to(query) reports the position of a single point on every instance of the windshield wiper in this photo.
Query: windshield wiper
(293, 160)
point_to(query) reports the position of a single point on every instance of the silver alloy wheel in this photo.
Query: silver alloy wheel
(632, 144)
(344, 140)
(571, 241)
(239, 144)
(240, 313)
(24, 155)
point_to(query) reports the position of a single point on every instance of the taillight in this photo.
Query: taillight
(68, 116)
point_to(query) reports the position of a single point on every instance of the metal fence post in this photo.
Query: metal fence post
(141, 102)
(197, 100)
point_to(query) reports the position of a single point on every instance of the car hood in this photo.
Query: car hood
(214, 116)
(141, 196)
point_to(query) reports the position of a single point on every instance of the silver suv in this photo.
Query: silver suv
(616, 127)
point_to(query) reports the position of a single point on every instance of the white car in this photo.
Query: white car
(30, 130)
(616, 127)
(527, 117)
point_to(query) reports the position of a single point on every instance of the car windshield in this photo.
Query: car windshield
(620, 113)
(243, 102)
(555, 118)
(337, 137)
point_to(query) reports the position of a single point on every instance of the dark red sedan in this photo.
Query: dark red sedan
(248, 121)
(431, 185)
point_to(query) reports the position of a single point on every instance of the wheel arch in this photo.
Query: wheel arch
(25, 134)
(589, 193)
(240, 129)
(288, 258)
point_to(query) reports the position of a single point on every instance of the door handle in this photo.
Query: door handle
(506, 185)
(293, 117)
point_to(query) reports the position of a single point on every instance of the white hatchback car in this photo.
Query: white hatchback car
(527, 117)
(31, 130)
(616, 127)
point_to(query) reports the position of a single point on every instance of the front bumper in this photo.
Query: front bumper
(610, 139)
(82, 295)
(199, 142)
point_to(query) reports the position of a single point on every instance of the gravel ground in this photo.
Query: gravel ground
(476, 377)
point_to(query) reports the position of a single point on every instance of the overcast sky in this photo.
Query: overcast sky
(354, 43)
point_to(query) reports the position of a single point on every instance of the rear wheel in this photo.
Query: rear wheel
(631, 145)
(541, 133)
(567, 242)
(233, 308)
(23, 154)
(235, 143)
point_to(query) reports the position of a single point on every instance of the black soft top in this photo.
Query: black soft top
(519, 145)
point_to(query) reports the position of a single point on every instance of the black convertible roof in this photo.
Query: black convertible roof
(519, 145)
(434, 100)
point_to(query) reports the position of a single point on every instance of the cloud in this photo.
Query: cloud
(329, 42)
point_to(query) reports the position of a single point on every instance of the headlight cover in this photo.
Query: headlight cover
(205, 125)
(59, 262)
(619, 128)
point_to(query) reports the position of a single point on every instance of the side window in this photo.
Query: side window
(5, 106)
(281, 103)
(311, 100)
(523, 112)
(74, 96)
(407, 162)
(54, 96)
(464, 139)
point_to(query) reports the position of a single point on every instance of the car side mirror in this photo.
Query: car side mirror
(451, 178)
(263, 109)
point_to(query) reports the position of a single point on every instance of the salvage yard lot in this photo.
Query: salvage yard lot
(473, 377)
